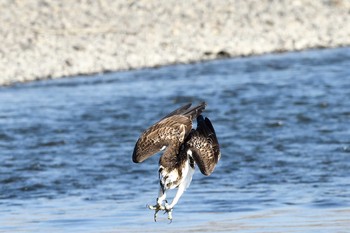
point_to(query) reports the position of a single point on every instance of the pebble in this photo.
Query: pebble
(43, 39)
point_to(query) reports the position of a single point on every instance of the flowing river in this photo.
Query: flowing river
(283, 122)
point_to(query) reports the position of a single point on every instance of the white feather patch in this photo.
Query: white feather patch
(187, 172)
(167, 178)
(189, 152)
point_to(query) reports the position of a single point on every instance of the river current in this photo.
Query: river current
(282, 120)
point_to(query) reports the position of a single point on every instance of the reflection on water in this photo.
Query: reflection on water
(282, 121)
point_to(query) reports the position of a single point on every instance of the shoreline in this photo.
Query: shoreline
(48, 40)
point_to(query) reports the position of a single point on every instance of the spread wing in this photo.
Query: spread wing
(170, 132)
(204, 146)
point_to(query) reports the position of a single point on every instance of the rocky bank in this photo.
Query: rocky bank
(43, 39)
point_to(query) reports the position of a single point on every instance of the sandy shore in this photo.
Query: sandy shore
(49, 39)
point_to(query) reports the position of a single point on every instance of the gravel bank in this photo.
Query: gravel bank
(50, 39)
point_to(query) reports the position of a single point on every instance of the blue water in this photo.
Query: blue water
(282, 121)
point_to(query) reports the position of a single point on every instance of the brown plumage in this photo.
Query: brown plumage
(204, 146)
(184, 147)
(170, 132)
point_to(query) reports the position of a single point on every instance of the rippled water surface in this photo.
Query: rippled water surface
(283, 122)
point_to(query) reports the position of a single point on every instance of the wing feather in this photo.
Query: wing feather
(170, 131)
(178, 111)
(204, 146)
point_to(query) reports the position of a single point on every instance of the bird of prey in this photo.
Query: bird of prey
(183, 147)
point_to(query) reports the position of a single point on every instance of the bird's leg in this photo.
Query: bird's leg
(160, 199)
(157, 207)
(169, 211)
(169, 208)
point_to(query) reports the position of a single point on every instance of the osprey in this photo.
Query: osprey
(183, 148)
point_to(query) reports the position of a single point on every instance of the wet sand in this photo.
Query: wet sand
(51, 39)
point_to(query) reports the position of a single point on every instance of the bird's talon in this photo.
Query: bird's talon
(170, 216)
(156, 209)
(155, 216)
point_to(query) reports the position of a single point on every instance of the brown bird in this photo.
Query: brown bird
(183, 148)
